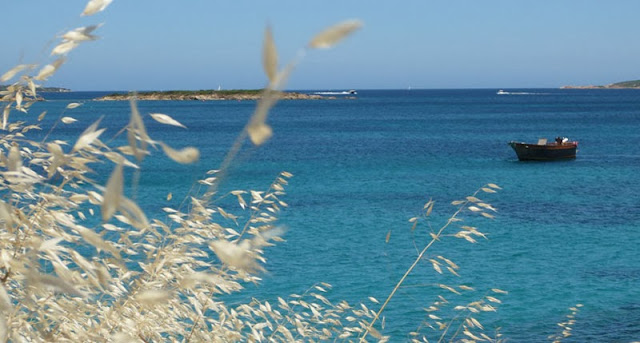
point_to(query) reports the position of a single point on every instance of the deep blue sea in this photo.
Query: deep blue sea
(565, 233)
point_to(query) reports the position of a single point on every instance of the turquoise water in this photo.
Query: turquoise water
(565, 232)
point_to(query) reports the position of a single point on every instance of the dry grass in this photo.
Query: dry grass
(567, 325)
(81, 261)
(133, 277)
(450, 325)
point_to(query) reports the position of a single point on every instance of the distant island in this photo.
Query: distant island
(54, 89)
(44, 89)
(618, 85)
(203, 95)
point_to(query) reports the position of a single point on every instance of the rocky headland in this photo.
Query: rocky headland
(208, 95)
(618, 85)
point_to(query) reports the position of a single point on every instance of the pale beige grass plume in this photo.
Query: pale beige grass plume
(163, 277)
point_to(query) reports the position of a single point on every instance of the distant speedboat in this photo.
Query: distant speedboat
(560, 149)
(501, 92)
(349, 92)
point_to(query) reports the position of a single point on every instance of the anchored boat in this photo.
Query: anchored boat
(560, 149)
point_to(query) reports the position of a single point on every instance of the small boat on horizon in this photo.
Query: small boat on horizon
(349, 92)
(502, 92)
(560, 149)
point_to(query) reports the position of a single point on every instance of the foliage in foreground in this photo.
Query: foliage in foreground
(81, 261)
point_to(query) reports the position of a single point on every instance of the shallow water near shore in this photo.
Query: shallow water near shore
(565, 232)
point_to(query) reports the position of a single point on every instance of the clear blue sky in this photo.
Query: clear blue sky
(200, 44)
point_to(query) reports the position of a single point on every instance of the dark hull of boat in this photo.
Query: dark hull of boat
(546, 152)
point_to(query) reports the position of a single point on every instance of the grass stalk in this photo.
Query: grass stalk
(412, 267)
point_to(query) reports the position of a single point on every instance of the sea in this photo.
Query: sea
(565, 235)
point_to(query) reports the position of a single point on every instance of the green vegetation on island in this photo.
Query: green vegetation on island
(617, 85)
(209, 91)
(202, 95)
(625, 84)
(42, 89)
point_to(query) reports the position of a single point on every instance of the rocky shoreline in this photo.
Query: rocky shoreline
(635, 84)
(597, 87)
(207, 96)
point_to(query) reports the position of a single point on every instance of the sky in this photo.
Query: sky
(206, 44)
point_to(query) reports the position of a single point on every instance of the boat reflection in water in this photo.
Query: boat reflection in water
(560, 149)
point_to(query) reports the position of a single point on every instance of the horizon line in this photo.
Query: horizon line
(335, 89)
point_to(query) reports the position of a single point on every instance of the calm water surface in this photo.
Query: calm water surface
(565, 232)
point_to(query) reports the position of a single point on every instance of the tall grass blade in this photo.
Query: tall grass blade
(334, 34)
